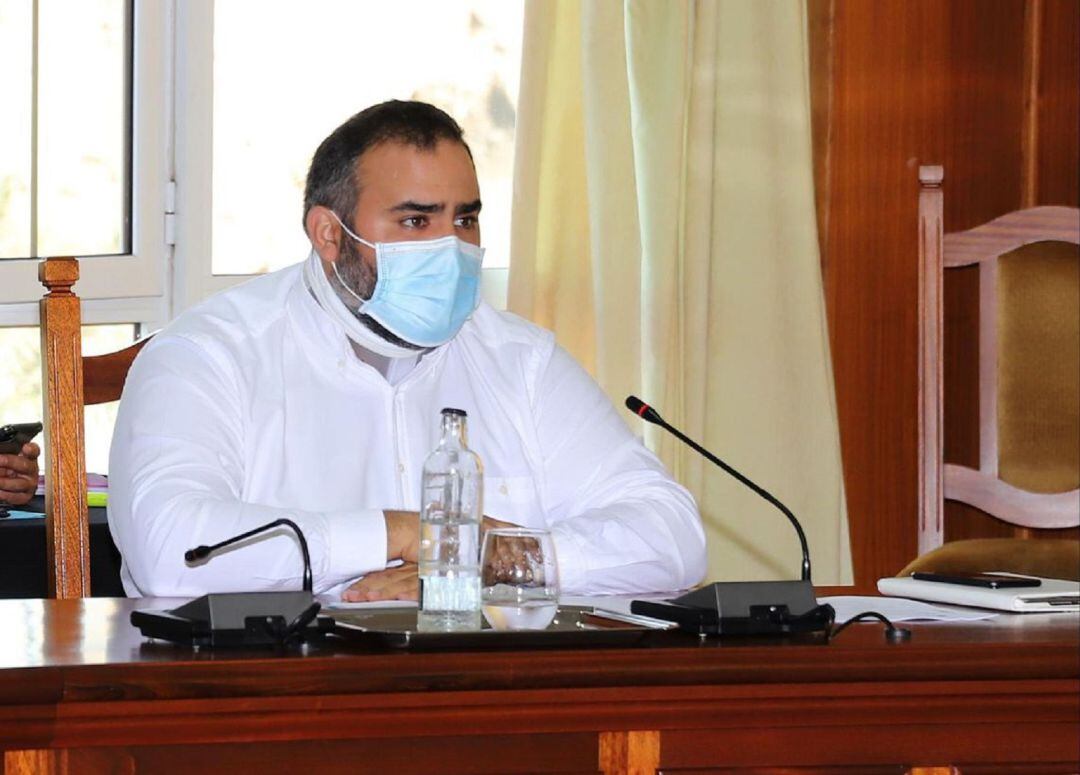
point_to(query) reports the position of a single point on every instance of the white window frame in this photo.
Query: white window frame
(193, 277)
(130, 287)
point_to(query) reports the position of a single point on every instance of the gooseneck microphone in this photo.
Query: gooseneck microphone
(202, 552)
(241, 619)
(646, 412)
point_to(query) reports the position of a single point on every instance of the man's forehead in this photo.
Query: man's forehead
(392, 166)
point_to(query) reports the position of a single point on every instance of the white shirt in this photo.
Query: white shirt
(253, 406)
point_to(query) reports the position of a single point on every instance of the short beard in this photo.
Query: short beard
(362, 278)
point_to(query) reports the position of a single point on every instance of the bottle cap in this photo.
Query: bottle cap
(454, 412)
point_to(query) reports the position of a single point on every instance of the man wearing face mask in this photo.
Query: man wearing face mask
(314, 392)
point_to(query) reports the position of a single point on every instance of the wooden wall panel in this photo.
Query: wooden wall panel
(910, 82)
(984, 161)
(883, 93)
(1058, 153)
(982, 123)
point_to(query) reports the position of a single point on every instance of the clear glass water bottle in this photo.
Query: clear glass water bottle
(451, 507)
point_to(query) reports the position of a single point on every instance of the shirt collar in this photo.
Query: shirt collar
(330, 345)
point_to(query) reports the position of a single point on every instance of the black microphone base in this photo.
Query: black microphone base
(231, 619)
(744, 608)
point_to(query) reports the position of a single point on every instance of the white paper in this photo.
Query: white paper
(900, 609)
(341, 605)
(618, 603)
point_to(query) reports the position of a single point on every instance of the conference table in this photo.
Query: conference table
(82, 691)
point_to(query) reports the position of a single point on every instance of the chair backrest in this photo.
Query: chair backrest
(68, 382)
(983, 487)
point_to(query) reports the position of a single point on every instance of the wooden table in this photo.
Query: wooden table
(81, 691)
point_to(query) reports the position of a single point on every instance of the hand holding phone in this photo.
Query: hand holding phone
(18, 472)
(13, 437)
(988, 580)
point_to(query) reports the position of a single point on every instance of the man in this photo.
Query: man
(19, 475)
(314, 393)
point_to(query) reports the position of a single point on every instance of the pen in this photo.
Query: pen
(643, 621)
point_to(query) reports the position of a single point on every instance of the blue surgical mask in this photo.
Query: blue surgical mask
(425, 289)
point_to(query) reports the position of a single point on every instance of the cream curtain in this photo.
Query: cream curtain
(664, 230)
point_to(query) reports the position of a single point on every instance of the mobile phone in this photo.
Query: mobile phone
(988, 580)
(12, 437)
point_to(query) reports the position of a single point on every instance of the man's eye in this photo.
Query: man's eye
(414, 222)
(467, 222)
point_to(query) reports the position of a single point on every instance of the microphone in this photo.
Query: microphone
(647, 413)
(740, 607)
(241, 619)
(203, 551)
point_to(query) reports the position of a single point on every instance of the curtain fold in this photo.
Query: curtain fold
(664, 229)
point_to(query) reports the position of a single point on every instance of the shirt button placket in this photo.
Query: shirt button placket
(400, 443)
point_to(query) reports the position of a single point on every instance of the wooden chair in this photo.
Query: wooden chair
(983, 487)
(68, 382)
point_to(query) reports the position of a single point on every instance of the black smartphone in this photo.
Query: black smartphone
(988, 580)
(12, 437)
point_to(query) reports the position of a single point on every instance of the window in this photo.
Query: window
(64, 184)
(82, 146)
(257, 114)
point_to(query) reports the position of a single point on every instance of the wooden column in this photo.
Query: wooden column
(630, 753)
(36, 762)
(67, 532)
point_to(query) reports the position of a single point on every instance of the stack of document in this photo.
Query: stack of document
(97, 489)
(1052, 595)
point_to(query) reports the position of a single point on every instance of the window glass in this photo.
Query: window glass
(65, 136)
(16, 55)
(278, 93)
(20, 384)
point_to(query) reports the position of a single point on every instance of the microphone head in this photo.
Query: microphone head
(643, 410)
(198, 553)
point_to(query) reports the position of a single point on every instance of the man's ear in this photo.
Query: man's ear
(324, 232)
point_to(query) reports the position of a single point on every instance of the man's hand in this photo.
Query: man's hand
(511, 559)
(400, 583)
(19, 475)
(402, 543)
(402, 535)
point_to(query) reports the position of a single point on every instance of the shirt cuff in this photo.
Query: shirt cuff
(571, 559)
(356, 545)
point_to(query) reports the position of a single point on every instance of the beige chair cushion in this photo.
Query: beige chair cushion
(1039, 367)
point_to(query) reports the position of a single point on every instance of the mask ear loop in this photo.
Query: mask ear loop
(349, 231)
(337, 274)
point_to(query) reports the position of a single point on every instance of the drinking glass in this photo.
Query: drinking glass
(520, 579)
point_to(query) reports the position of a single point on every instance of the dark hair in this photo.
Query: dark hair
(331, 178)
